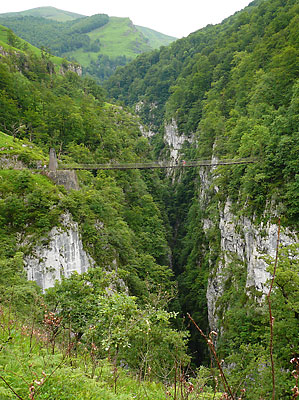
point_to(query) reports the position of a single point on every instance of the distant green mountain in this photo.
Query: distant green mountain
(156, 39)
(99, 43)
(118, 37)
(45, 12)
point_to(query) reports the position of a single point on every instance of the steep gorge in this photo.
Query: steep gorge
(225, 91)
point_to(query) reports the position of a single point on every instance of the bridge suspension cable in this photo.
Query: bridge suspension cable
(157, 164)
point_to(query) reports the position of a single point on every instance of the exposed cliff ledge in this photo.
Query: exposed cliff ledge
(3, 52)
(174, 140)
(63, 255)
(245, 242)
(19, 161)
(11, 161)
(69, 67)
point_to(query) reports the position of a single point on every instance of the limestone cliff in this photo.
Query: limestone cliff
(63, 255)
(71, 67)
(244, 242)
(174, 140)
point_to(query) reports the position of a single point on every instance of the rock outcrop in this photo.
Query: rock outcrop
(69, 67)
(11, 162)
(174, 140)
(3, 52)
(66, 178)
(243, 241)
(63, 255)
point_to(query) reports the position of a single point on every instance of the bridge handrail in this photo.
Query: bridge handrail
(159, 164)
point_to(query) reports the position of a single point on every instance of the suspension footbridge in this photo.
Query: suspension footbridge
(156, 164)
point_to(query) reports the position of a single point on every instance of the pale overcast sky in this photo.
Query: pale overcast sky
(173, 17)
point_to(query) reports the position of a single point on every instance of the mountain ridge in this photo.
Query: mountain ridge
(99, 43)
(46, 12)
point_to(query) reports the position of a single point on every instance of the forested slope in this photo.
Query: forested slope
(69, 113)
(119, 219)
(230, 90)
(231, 86)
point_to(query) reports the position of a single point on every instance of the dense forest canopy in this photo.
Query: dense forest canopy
(155, 239)
(233, 90)
(231, 86)
(58, 37)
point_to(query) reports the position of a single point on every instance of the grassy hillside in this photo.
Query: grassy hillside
(26, 151)
(45, 12)
(8, 40)
(118, 37)
(156, 39)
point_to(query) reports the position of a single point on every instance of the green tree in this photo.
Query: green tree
(126, 332)
(76, 300)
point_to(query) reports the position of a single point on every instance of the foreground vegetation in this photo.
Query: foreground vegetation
(120, 330)
(99, 346)
(79, 341)
(30, 369)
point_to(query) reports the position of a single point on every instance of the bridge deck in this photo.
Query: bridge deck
(152, 165)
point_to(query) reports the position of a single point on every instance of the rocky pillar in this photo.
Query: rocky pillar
(53, 160)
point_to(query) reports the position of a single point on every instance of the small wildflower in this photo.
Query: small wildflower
(31, 391)
(39, 383)
(295, 374)
(93, 347)
(190, 387)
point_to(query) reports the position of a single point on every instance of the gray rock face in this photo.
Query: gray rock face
(76, 68)
(67, 178)
(147, 133)
(63, 255)
(11, 161)
(244, 240)
(174, 140)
